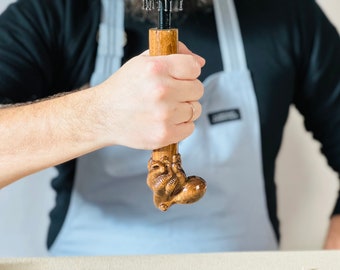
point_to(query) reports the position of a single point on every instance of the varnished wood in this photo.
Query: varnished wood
(163, 41)
(166, 177)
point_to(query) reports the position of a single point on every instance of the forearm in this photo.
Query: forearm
(120, 111)
(43, 134)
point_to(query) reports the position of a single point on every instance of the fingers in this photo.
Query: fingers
(157, 97)
(186, 112)
(182, 49)
(184, 91)
(180, 83)
(178, 72)
(177, 66)
(190, 112)
(193, 112)
(184, 65)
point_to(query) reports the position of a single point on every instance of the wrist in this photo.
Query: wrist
(99, 119)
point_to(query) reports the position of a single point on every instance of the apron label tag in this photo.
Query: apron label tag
(224, 116)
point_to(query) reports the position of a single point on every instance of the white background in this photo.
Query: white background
(307, 189)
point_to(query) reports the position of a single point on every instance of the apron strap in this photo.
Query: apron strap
(111, 38)
(110, 41)
(229, 34)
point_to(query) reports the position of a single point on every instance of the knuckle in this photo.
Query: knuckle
(161, 137)
(154, 66)
(159, 91)
(162, 117)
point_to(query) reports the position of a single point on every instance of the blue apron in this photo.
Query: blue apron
(111, 210)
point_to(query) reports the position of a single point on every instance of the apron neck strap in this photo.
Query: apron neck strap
(229, 35)
(110, 40)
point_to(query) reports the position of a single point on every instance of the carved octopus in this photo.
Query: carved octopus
(170, 185)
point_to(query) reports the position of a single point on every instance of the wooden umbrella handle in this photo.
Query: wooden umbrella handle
(166, 177)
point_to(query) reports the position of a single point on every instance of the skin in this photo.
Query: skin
(119, 111)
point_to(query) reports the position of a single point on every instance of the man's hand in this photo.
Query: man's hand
(333, 235)
(146, 104)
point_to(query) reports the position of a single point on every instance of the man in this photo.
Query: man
(103, 204)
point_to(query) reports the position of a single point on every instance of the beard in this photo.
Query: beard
(134, 8)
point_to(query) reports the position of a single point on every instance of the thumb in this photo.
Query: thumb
(184, 50)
